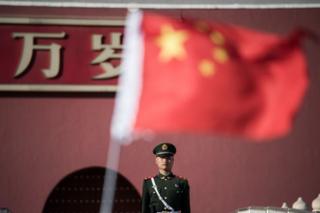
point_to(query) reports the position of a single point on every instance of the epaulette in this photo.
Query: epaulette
(183, 178)
(147, 178)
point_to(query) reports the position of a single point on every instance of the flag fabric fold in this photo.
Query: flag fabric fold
(204, 77)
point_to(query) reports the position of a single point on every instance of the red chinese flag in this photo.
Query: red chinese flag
(199, 77)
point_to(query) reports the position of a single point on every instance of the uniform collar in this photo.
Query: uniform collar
(166, 177)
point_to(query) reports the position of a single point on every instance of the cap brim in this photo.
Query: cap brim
(164, 155)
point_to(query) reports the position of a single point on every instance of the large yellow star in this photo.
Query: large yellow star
(171, 42)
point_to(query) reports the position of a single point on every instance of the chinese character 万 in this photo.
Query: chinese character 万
(29, 46)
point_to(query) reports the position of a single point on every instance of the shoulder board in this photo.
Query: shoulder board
(183, 178)
(147, 178)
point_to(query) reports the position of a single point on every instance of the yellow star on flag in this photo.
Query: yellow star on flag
(171, 42)
(217, 38)
(220, 54)
(206, 68)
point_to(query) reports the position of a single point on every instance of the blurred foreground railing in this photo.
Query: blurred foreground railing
(299, 206)
(258, 209)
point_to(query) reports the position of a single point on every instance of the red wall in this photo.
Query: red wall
(45, 137)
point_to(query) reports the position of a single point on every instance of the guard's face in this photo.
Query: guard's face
(165, 163)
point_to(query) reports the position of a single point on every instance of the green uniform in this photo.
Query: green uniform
(173, 189)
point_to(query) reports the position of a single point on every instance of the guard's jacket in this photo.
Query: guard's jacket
(173, 189)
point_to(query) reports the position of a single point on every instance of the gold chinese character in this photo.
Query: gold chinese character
(108, 52)
(29, 46)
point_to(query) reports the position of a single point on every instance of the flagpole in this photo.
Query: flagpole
(125, 106)
(110, 178)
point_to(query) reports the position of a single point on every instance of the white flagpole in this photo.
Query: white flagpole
(129, 86)
(110, 179)
(126, 105)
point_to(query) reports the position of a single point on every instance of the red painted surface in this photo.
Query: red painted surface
(44, 137)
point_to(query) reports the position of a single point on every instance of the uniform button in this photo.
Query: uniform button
(165, 198)
(165, 188)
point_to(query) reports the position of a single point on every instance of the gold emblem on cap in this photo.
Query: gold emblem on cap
(164, 147)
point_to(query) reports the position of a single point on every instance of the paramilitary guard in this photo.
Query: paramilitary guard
(165, 192)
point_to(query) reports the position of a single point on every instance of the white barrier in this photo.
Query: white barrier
(299, 206)
(259, 209)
